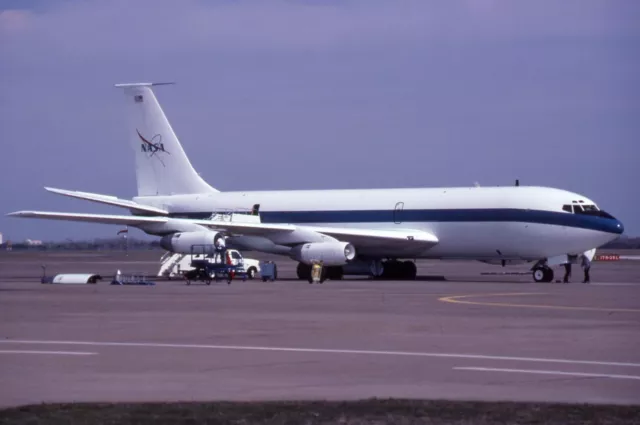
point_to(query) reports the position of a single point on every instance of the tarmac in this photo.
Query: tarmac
(455, 333)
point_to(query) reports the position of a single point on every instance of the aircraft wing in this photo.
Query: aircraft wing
(135, 220)
(123, 220)
(108, 200)
(366, 241)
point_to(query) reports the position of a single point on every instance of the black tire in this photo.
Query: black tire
(251, 272)
(335, 273)
(410, 271)
(392, 270)
(304, 271)
(548, 276)
(543, 274)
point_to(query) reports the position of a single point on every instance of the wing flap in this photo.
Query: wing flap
(404, 235)
(399, 242)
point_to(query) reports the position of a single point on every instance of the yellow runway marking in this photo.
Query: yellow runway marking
(461, 299)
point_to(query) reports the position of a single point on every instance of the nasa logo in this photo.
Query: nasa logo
(153, 146)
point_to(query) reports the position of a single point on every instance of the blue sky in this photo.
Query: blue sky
(320, 95)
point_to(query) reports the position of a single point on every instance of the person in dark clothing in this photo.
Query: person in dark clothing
(586, 265)
(567, 272)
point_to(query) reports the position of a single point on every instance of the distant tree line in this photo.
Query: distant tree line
(107, 244)
(120, 244)
(624, 243)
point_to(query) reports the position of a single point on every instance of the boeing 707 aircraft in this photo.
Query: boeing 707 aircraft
(378, 231)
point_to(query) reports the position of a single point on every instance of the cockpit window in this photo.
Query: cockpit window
(580, 209)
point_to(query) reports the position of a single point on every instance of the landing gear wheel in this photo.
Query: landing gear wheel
(304, 272)
(543, 274)
(538, 274)
(390, 270)
(335, 273)
(548, 277)
(400, 270)
(410, 271)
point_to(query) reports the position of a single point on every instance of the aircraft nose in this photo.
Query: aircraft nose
(619, 227)
(614, 225)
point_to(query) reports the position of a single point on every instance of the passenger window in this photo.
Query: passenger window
(567, 208)
(235, 255)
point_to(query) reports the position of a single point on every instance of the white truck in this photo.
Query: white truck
(174, 264)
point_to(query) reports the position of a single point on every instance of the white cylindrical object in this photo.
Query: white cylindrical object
(329, 253)
(75, 278)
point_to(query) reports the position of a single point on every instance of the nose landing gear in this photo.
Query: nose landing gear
(543, 274)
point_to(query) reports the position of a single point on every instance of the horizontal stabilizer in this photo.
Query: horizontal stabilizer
(109, 200)
(123, 220)
(125, 85)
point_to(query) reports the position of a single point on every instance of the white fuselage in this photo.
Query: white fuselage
(472, 222)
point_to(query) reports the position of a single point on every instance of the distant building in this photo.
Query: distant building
(1, 239)
(32, 242)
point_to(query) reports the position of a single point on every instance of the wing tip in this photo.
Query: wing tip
(18, 213)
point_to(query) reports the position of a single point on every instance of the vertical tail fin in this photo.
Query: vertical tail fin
(162, 167)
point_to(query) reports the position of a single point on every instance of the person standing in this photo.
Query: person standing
(567, 272)
(586, 265)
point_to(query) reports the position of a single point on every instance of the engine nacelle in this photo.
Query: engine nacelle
(330, 253)
(183, 241)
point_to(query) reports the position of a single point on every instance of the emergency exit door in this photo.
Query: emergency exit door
(397, 213)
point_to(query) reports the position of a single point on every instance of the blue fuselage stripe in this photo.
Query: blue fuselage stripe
(441, 215)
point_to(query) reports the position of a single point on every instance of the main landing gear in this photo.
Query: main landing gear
(543, 274)
(400, 270)
(391, 270)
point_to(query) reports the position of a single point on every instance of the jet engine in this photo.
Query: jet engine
(330, 253)
(183, 241)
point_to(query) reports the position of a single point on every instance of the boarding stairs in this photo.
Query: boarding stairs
(169, 261)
